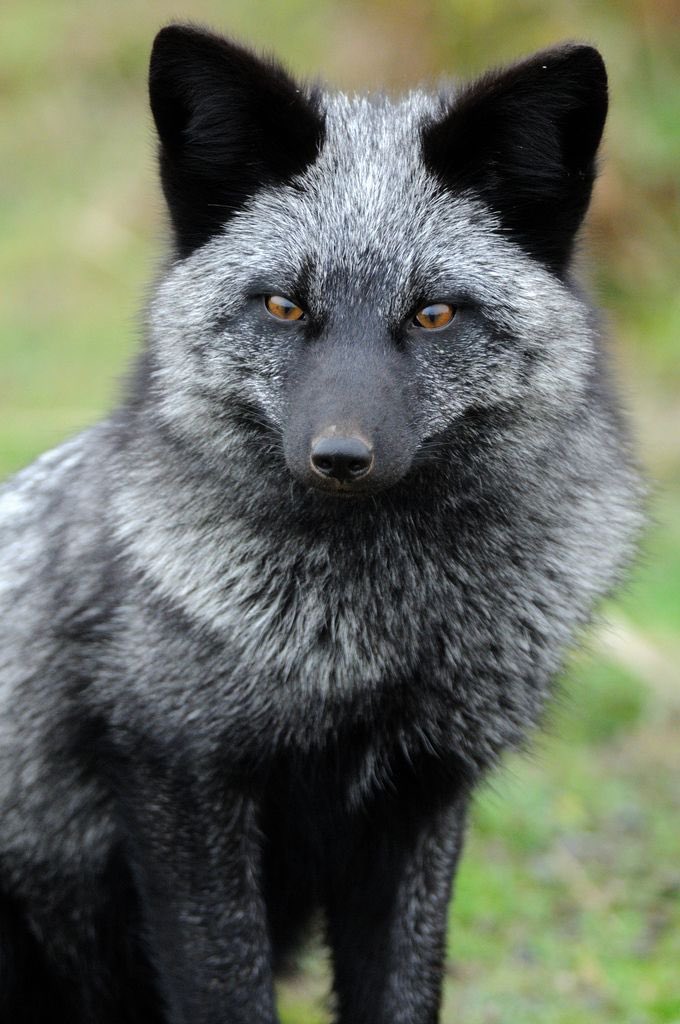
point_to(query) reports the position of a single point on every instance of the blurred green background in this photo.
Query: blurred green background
(568, 901)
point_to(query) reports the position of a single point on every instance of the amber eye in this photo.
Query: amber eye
(282, 308)
(439, 314)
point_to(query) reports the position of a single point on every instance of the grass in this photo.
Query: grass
(568, 899)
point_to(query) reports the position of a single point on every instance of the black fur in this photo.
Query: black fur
(525, 139)
(228, 123)
(80, 957)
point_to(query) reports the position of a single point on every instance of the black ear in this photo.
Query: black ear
(228, 122)
(524, 139)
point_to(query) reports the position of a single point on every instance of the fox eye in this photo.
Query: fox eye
(283, 308)
(436, 315)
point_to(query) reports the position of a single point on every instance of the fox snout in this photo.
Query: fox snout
(347, 428)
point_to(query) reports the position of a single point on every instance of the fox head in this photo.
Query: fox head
(355, 280)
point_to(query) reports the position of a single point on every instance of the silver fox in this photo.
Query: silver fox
(266, 625)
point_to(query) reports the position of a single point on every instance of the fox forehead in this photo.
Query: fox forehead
(369, 208)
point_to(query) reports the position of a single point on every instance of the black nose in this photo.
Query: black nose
(341, 458)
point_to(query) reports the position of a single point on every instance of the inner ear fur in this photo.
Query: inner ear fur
(524, 139)
(229, 123)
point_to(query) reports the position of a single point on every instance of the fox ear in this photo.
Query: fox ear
(524, 139)
(228, 123)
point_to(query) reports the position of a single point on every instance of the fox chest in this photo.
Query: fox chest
(284, 651)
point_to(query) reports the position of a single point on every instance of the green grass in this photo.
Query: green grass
(568, 900)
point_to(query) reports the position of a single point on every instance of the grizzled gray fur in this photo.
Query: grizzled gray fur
(265, 626)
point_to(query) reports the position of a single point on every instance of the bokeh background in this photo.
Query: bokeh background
(568, 901)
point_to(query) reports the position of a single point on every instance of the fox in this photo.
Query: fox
(269, 623)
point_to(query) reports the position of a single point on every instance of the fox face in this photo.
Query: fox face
(355, 281)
